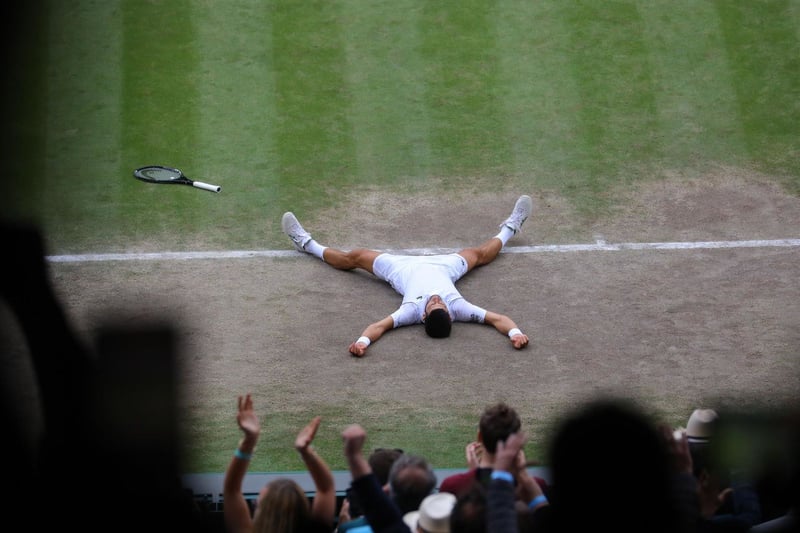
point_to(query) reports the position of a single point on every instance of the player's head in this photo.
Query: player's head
(437, 324)
(437, 319)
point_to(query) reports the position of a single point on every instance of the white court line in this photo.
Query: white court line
(599, 246)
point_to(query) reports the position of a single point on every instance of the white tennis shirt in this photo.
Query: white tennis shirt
(418, 277)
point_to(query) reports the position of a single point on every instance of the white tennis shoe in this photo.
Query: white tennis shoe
(295, 231)
(522, 210)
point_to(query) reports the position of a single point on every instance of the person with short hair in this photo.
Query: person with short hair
(426, 282)
(411, 480)
(351, 514)
(382, 513)
(497, 422)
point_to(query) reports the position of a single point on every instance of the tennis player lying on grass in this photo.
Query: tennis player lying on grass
(426, 282)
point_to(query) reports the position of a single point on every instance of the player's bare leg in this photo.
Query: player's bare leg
(357, 258)
(304, 242)
(483, 254)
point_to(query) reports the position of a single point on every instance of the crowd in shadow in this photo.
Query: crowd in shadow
(107, 453)
(89, 430)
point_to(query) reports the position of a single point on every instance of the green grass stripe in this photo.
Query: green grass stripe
(762, 45)
(384, 75)
(83, 129)
(538, 94)
(313, 135)
(160, 115)
(692, 80)
(617, 110)
(469, 132)
(237, 120)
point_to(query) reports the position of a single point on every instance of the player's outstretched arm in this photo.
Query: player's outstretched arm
(507, 327)
(373, 332)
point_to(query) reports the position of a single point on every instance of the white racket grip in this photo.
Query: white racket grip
(206, 186)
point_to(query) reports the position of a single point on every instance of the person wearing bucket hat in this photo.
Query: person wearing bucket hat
(728, 501)
(433, 515)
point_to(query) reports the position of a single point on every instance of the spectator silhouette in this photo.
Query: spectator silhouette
(59, 360)
(780, 473)
(610, 471)
(111, 406)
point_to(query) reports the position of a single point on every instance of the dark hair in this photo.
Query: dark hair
(707, 457)
(437, 324)
(611, 443)
(381, 461)
(497, 423)
(411, 479)
(469, 512)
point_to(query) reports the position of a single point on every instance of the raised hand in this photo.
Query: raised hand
(306, 435)
(246, 417)
(354, 437)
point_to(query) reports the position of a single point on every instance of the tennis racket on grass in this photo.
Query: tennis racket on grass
(159, 174)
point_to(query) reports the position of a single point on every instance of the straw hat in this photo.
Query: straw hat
(433, 514)
(701, 425)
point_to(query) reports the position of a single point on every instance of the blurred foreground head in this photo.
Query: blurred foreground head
(610, 471)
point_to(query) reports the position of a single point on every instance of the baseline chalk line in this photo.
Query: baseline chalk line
(599, 246)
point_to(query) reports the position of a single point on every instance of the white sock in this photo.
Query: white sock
(314, 248)
(505, 234)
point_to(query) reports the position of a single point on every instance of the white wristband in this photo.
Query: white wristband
(514, 331)
(364, 339)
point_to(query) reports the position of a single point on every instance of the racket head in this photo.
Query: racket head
(160, 174)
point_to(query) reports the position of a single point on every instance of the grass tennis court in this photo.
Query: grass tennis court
(323, 106)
